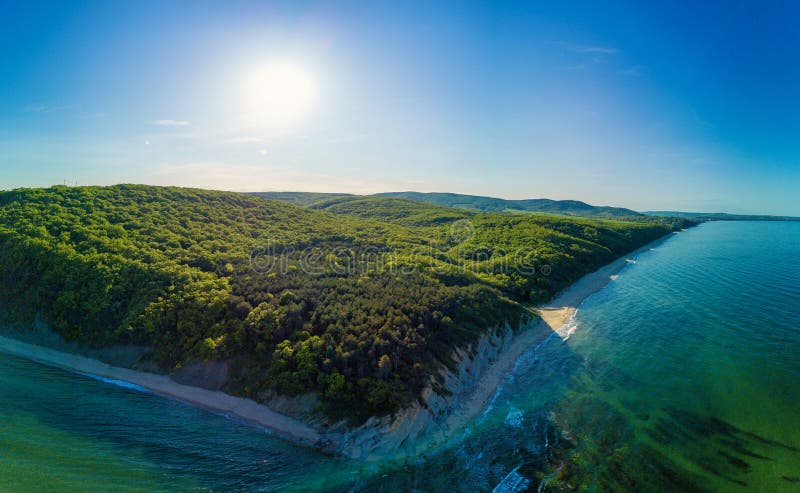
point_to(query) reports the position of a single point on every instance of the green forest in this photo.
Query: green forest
(358, 299)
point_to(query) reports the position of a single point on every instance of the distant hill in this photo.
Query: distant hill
(468, 202)
(491, 204)
(720, 216)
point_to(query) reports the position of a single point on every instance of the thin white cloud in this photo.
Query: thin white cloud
(47, 108)
(596, 49)
(170, 123)
(263, 152)
(36, 108)
(592, 49)
(701, 121)
(587, 55)
(595, 60)
(631, 72)
(245, 139)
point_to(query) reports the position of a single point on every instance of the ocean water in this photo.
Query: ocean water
(682, 375)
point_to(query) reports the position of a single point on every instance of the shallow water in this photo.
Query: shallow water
(682, 374)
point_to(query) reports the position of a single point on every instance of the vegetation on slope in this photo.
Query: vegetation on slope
(361, 300)
(299, 198)
(391, 210)
(498, 248)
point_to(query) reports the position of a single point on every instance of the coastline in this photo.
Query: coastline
(471, 403)
(553, 316)
(559, 310)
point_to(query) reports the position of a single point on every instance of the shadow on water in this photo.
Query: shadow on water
(734, 445)
(625, 447)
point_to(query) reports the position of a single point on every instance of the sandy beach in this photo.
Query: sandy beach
(553, 316)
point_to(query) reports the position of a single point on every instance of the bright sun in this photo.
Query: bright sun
(279, 93)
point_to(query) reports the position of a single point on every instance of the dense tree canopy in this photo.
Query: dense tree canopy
(360, 300)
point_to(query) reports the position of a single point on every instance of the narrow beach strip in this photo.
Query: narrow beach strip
(240, 408)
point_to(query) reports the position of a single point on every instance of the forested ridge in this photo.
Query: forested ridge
(360, 299)
(471, 203)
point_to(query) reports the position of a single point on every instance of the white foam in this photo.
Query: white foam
(118, 383)
(514, 482)
(569, 327)
(528, 356)
(514, 418)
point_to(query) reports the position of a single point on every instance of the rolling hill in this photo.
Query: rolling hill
(490, 204)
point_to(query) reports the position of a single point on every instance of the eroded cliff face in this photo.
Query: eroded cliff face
(444, 407)
(416, 428)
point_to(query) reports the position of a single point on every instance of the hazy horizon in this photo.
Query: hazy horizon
(648, 107)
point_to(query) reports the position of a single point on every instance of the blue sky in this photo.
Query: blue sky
(657, 106)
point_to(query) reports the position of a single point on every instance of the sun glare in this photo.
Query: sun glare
(279, 93)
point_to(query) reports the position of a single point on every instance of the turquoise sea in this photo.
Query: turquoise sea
(682, 375)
